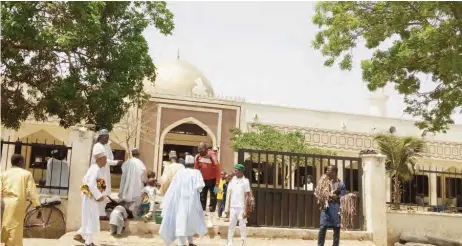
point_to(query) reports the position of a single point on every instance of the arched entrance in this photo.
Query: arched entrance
(184, 136)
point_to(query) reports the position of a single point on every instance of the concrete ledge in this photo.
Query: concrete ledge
(221, 231)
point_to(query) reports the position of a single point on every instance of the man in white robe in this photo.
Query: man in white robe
(90, 205)
(170, 172)
(182, 215)
(133, 177)
(103, 145)
(57, 174)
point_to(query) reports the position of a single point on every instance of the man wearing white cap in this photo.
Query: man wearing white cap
(182, 216)
(133, 177)
(91, 199)
(170, 172)
(103, 145)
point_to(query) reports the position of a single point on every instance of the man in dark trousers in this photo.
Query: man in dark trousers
(207, 163)
(328, 192)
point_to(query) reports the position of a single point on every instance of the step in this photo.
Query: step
(103, 238)
(135, 227)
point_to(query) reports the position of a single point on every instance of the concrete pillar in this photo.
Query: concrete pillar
(82, 141)
(433, 191)
(374, 193)
(388, 184)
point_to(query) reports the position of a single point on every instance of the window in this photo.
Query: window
(39, 152)
(417, 186)
(453, 187)
(118, 155)
(189, 129)
(348, 178)
(438, 187)
(421, 184)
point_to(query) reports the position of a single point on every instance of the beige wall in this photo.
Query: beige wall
(402, 221)
(170, 115)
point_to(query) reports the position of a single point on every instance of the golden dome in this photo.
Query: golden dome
(181, 78)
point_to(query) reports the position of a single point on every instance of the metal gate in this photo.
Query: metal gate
(279, 184)
(49, 163)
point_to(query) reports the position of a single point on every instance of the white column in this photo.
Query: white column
(433, 190)
(374, 193)
(82, 141)
(388, 184)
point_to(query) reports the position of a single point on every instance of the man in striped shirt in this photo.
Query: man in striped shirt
(207, 163)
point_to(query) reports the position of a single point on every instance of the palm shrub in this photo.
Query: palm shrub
(402, 154)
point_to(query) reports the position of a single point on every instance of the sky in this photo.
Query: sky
(262, 51)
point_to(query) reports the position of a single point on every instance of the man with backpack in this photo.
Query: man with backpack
(207, 163)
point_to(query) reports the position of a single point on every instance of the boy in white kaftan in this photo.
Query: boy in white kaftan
(131, 183)
(90, 205)
(238, 193)
(182, 215)
(117, 220)
(150, 191)
(103, 145)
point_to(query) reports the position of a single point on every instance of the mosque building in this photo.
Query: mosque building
(184, 110)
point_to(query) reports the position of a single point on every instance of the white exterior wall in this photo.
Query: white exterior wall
(280, 115)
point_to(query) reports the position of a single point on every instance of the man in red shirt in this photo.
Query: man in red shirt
(207, 163)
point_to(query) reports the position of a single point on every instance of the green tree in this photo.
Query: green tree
(265, 137)
(82, 62)
(401, 157)
(426, 42)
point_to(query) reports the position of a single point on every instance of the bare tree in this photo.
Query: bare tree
(136, 125)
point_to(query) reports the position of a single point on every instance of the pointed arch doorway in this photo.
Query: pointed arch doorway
(184, 136)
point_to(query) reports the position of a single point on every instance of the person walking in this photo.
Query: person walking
(17, 185)
(182, 215)
(132, 181)
(238, 198)
(92, 195)
(206, 162)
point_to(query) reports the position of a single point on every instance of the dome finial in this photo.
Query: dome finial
(178, 54)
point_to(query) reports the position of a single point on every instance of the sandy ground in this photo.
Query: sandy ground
(104, 239)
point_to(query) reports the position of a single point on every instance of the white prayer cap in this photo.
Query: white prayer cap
(172, 154)
(104, 132)
(98, 154)
(189, 159)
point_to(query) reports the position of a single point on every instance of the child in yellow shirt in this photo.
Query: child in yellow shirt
(220, 192)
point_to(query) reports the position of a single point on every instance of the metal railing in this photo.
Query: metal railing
(432, 189)
(49, 162)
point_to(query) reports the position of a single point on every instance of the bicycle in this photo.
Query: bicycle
(46, 222)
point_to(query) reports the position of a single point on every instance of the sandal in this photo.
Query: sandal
(79, 238)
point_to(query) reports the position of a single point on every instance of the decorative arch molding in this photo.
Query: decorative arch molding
(179, 122)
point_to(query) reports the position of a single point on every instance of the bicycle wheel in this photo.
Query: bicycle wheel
(51, 225)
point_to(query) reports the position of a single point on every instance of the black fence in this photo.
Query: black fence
(433, 189)
(49, 163)
(283, 186)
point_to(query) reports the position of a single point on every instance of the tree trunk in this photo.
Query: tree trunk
(396, 193)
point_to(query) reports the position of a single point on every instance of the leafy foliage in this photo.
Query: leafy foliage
(82, 62)
(427, 41)
(402, 154)
(264, 137)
